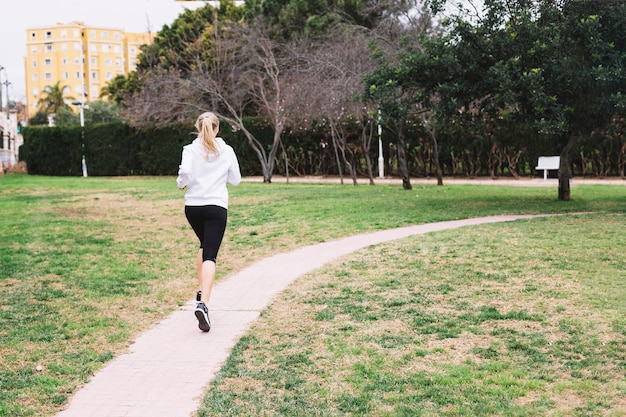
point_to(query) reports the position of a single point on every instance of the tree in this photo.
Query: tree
(120, 87)
(331, 85)
(53, 98)
(225, 67)
(393, 85)
(39, 119)
(556, 67)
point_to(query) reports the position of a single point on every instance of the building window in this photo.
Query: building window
(66, 75)
(35, 77)
(48, 75)
(77, 46)
(116, 35)
(48, 48)
(133, 50)
(76, 61)
(34, 63)
(76, 33)
(64, 33)
(47, 62)
(107, 62)
(35, 92)
(64, 61)
(33, 35)
(94, 75)
(48, 34)
(78, 75)
(109, 75)
(92, 34)
(64, 47)
(105, 48)
(94, 61)
(118, 63)
(93, 47)
(105, 34)
(33, 49)
(116, 49)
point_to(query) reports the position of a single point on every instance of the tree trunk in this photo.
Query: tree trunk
(335, 146)
(402, 163)
(564, 169)
(430, 129)
(286, 162)
(433, 137)
(260, 152)
(366, 137)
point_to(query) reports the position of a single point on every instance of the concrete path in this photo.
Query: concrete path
(504, 181)
(167, 370)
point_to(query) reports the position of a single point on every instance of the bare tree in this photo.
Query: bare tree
(245, 73)
(333, 81)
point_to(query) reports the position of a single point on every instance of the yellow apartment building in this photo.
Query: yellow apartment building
(82, 58)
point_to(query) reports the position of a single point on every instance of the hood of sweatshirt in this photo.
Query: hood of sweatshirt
(198, 147)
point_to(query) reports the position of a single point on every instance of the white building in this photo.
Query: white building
(10, 141)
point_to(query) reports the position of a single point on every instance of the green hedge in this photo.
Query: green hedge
(114, 149)
(117, 149)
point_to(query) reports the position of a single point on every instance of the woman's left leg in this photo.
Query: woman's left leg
(214, 228)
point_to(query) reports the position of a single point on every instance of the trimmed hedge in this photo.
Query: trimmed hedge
(117, 149)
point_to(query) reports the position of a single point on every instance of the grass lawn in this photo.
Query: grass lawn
(517, 319)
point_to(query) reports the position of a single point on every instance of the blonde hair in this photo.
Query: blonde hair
(208, 125)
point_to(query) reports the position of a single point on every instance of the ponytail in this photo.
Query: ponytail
(208, 125)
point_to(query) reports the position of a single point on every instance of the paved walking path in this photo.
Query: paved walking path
(167, 370)
(504, 181)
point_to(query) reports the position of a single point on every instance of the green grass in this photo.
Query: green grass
(87, 263)
(500, 319)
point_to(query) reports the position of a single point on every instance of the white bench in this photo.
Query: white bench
(547, 163)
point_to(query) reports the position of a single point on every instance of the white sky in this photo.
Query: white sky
(128, 15)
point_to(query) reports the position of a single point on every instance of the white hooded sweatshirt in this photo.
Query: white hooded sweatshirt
(206, 177)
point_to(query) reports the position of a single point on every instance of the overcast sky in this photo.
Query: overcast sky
(128, 15)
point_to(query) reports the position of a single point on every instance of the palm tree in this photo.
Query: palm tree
(52, 99)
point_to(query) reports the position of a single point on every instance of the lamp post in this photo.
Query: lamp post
(1, 68)
(81, 107)
(6, 127)
(8, 131)
(381, 159)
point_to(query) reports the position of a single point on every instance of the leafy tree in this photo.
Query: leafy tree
(555, 67)
(100, 111)
(53, 98)
(120, 87)
(394, 84)
(190, 36)
(39, 119)
(66, 117)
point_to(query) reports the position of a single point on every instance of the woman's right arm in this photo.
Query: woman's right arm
(184, 170)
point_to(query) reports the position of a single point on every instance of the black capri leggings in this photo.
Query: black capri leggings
(209, 224)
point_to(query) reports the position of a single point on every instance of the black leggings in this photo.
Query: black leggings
(209, 224)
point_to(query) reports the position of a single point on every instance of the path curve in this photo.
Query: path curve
(161, 376)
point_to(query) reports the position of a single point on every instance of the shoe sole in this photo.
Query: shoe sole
(203, 323)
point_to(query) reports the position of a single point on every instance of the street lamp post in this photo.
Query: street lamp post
(8, 131)
(81, 107)
(381, 159)
(1, 68)
(6, 127)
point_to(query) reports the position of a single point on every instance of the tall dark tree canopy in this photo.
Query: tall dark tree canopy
(556, 66)
(190, 35)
